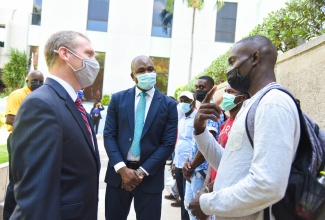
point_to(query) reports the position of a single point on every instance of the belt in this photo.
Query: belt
(133, 164)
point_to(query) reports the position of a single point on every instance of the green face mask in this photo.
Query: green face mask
(228, 101)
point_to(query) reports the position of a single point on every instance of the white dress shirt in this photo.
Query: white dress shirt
(149, 96)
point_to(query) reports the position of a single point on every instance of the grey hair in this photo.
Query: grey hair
(60, 39)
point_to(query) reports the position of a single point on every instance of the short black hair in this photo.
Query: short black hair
(209, 79)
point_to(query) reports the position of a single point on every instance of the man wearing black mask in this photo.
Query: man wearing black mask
(250, 179)
(34, 80)
(203, 85)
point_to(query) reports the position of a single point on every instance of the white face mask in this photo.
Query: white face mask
(87, 74)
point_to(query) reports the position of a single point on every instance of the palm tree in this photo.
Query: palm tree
(195, 5)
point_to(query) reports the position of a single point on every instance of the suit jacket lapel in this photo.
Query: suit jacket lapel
(130, 107)
(155, 103)
(72, 107)
(77, 115)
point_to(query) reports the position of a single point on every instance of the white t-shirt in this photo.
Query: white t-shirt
(249, 180)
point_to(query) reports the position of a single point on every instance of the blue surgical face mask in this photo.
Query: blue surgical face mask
(147, 80)
(185, 107)
(228, 101)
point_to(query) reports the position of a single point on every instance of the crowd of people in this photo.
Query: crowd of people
(54, 157)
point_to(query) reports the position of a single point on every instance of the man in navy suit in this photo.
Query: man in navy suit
(55, 159)
(138, 175)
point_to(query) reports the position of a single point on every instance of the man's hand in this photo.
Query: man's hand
(187, 170)
(130, 178)
(195, 207)
(206, 111)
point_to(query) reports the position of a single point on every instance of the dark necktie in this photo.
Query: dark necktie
(84, 117)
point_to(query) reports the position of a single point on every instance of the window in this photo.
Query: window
(97, 15)
(226, 23)
(93, 93)
(162, 69)
(161, 20)
(2, 35)
(37, 12)
(33, 55)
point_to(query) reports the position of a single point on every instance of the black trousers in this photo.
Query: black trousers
(96, 123)
(10, 202)
(180, 181)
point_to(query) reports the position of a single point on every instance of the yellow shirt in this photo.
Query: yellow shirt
(14, 100)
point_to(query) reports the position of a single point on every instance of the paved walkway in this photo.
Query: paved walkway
(167, 213)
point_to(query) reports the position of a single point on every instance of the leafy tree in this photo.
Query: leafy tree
(14, 72)
(178, 91)
(106, 99)
(288, 27)
(294, 24)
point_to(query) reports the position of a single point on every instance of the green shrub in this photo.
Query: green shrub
(2, 120)
(3, 153)
(178, 91)
(106, 99)
(14, 72)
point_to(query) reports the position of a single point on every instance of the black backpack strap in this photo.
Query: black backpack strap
(202, 173)
(266, 214)
(250, 117)
(250, 120)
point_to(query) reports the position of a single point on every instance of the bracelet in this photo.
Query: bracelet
(206, 189)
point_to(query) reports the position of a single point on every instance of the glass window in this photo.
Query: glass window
(37, 12)
(226, 23)
(162, 69)
(97, 15)
(162, 20)
(2, 35)
(94, 93)
(33, 55)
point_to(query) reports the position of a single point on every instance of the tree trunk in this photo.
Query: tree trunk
(191, 53)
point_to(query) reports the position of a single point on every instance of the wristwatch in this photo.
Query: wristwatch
(141, 172)
(206, 189)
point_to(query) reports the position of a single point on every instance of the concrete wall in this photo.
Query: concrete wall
(301, 70)
(4, 181)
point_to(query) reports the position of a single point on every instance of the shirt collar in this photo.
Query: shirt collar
(66, 86)
(150, 92)
(27, 90)
(192, 114)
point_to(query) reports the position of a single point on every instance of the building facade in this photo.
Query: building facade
(122, 29)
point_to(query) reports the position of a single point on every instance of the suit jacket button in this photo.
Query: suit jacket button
(130, 139)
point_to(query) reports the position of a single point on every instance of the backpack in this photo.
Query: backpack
(304, 197)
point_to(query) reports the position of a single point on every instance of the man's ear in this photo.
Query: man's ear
(256, 57)
(133, 77)
(63, 53)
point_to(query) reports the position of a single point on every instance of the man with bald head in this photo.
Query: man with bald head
(250, 179)
(139, 136)
(34, 80)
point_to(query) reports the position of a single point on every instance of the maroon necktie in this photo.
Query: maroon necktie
(84, 117)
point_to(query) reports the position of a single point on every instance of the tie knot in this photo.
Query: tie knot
(143, 94)
(78, 101)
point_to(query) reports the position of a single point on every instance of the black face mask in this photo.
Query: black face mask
(200, 95)
(35, 85)
(238, 82)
